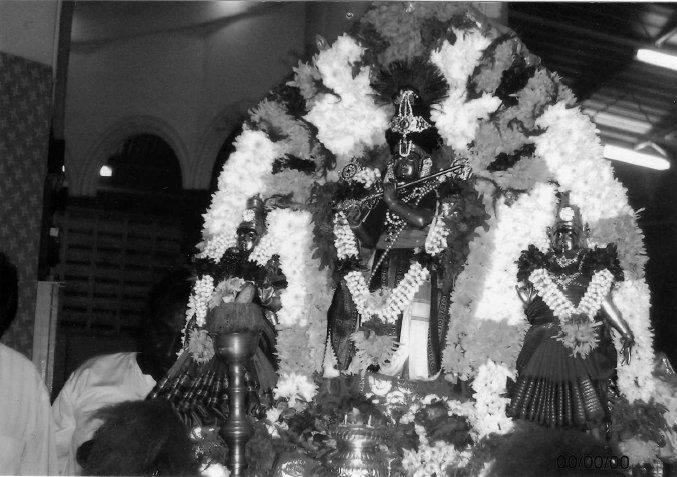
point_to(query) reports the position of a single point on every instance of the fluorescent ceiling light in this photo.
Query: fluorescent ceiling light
(106, 171)
(657, 58)
(618, 122)
(637, 158)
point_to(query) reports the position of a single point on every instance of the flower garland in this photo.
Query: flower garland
(488, 319)
(457, 119)
(243, 176)
(372, 349)
(577, 335)
(487, 316)
(436, 241)
(437, 458)
(389, 306)
(571, 148)
(344, 238)
(367, 176)
(198, 303)
(490, 405)
(351, 122)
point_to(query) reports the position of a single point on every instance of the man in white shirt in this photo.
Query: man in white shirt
(114, 378)
(26, 424)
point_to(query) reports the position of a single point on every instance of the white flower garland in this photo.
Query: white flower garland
(348, 124)
(485, 289)
(369, 304)
(243, 176)
(344, 238)
(568, 152)
(434, 459)
(436, 241)
(295, 387)
(458, 119)
(489, 385)
(198, 303)
(367, 176)
(571, 148)
(561, 306)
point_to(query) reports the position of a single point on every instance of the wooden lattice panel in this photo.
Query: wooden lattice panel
(108, 263)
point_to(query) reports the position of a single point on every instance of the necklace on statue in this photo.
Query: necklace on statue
(396, 224)
(563, 261)
(563, 280)
(570, 323)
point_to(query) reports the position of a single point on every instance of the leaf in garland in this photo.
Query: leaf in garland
(513, 80)
(600, 258)
(290, 97)
(376, 157)
(434, 32)
(506, 161)
(496, 58)
(529, 260)
(443, 157)
(463, 21)
(371, 40)
(295, 163)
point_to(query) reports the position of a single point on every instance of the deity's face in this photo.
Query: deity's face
(565, 240)
(409, 168)
(247, 239)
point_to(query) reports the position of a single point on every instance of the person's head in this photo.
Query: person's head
(161, 332)
(535, 451)
(252, 227)
(9, 292)
(139, 438)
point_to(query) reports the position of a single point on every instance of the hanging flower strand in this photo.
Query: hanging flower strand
(396, 302)
(344, 238)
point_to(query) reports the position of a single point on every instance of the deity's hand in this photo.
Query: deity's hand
(628, 343)
(354, 216)
(390, 193)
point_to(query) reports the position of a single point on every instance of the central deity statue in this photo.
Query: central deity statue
(390, 315)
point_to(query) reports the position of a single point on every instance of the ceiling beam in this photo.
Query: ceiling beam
(630, 43)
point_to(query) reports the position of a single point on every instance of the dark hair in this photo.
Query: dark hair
(139, 438)
(534, 451)
(165, 296)
(9, 292)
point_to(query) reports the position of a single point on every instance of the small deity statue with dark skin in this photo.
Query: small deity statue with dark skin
(568, 358)
(196, 384)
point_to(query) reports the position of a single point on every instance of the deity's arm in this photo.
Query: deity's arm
(364, 236)
(526, 292)
(413, 215)
(615, 319)
(270, 289)
(366, 225)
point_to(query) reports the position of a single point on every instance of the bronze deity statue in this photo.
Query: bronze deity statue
(568, 359)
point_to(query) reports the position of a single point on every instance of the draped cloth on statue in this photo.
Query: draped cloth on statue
(553, 387)
(418, 328)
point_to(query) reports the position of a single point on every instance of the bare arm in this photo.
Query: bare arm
(616, 321)
(526, 292)
(417, 217)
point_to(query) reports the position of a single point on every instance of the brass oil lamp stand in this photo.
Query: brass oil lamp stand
(235, 350)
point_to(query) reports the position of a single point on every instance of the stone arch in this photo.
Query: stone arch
(105, 146)
(219, 129)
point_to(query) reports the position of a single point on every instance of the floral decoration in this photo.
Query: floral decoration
(523, 136)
